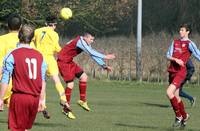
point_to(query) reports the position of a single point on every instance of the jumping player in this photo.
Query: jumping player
(178, 54)
(69, 70)
(27, 69)
(47, 42)
(7, 43)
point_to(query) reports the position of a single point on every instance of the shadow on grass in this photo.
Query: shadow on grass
(49, 124)
(156, 105)
(136, 126)
(155, 128)
(3, 121)
(159, 105)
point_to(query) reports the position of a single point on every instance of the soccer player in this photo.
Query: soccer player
(69, 70)
(47, 42)
(178, 54)
(7, 43)
(27, 69)
(190, 71)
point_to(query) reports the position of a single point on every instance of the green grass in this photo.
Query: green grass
(116, 106)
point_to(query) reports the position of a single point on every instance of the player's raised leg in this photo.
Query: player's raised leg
(68, 91)
(82, 89)
(60, 89)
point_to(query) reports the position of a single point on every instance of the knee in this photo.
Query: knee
(169, 94)
(55, 78)
(84, 77)
(178, 98)
(70, 85)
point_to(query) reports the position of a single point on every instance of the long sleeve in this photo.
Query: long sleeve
(88, 49)
(2, 54)
(99, 61)
(7, 68)
(96, 56)
(195, 51)
(170, 50)
(44, 68)
(56, 42)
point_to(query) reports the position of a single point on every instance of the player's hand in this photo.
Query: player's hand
(179, 61)
(1, 105)
(108, 68)
(41, 105)
(110, 56)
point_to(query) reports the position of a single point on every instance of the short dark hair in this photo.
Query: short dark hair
(86, 34)
(26, 33)
(52, 19)
(14, 22)
(187, 26)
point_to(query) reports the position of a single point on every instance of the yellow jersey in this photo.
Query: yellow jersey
(46, 41)
(7, 43)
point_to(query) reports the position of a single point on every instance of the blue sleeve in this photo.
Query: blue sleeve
(88, 49)
(7, 68)
(195, 51)
(170, 50)
(44, 68)
(99, 61)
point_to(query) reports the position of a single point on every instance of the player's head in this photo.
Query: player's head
(51, 21)
(14, 22)
(26, 34)
(88, 37)
(185, 30)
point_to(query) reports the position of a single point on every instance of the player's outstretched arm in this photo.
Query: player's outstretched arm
(108, 68)
(110, 56)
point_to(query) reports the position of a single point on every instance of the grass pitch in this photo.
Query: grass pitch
(116, 106)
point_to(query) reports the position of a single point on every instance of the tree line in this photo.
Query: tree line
(106, 17)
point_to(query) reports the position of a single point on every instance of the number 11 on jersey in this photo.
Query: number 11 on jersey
(32, 73)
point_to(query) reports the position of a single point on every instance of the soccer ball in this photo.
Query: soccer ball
(66, 13)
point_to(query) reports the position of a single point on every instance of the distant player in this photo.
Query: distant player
(27, 69)
(178, 54)
(47, 42)
(7, 43)
(190, 71)
(70, 70)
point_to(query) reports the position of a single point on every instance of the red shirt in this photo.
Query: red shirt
(69, 51)
(180, 51)
(27, 73)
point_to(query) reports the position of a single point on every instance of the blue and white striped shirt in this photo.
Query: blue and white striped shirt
(96, 56)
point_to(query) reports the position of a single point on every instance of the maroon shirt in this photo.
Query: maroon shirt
(27, 73)
(180, 51)
(69, 51)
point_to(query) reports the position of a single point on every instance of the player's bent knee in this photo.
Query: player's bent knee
(56, 78)
(70, 85)
(84, 77)
(169, 93)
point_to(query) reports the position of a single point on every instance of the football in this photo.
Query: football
(66, 13)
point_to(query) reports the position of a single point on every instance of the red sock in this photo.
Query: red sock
(175, 105)
(82, 89)
(182, 109)
(68, 92)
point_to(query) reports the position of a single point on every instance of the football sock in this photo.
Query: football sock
(82, 89)
(68, 92)
(61, 91)
(175, 105)
(182, 109)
